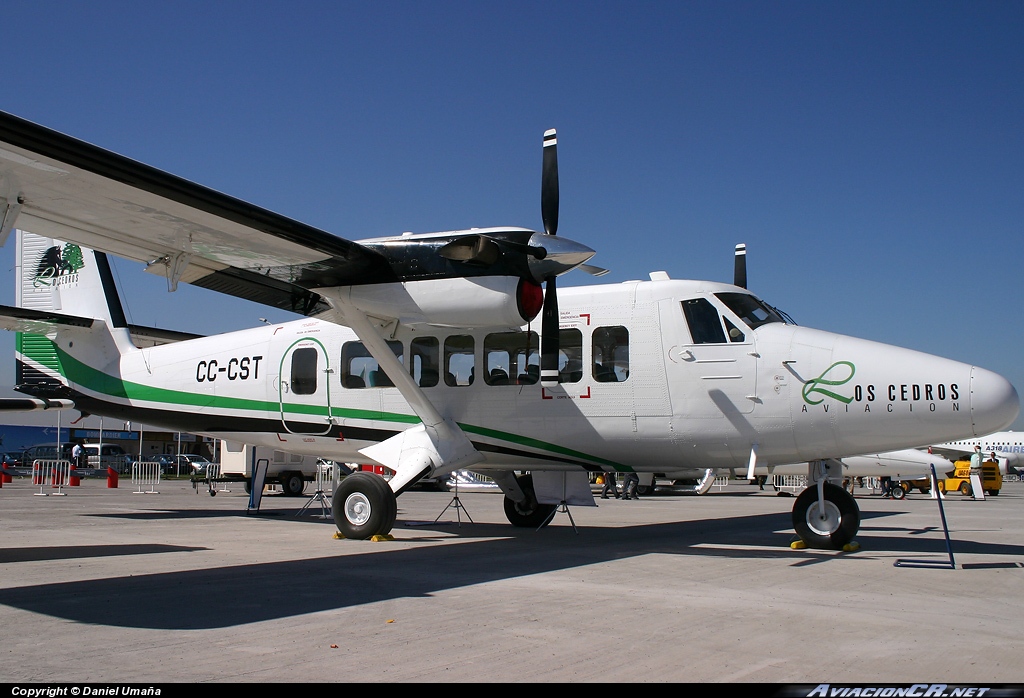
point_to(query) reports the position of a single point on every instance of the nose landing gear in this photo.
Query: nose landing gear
(831, 524)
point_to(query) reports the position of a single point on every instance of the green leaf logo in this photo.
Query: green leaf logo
(814, 386)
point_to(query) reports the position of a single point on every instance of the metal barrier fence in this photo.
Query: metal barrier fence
(721, 482)
(55, 474)
(213, 476)
(467, 478)
(146, 474)
(789, 483)
(325, 477)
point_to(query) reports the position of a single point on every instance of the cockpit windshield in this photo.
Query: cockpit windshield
(751, 310)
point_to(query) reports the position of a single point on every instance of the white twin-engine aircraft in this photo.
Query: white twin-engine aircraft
(417, 352)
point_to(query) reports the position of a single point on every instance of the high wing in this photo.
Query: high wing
(57, 186)
(61, 187)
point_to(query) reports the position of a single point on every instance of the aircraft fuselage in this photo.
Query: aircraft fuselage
(643, 387)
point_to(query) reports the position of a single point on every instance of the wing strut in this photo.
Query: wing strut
(438, 445)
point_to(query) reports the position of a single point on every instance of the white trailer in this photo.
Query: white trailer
(290, 471)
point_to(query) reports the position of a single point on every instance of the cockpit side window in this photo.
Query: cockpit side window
(704, 322)
(749, 309)
(734, 332)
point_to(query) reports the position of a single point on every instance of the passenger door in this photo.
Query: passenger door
(304, 390)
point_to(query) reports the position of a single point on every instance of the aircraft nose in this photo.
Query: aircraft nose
(994, 402)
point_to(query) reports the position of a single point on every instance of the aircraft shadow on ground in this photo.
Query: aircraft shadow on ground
(168, 514)
(273, 590)
(81, 552)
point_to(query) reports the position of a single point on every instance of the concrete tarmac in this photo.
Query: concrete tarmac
(109, 585)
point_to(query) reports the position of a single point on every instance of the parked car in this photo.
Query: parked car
(47, 452)
(11, 460)
(193, 464)
(174, 464)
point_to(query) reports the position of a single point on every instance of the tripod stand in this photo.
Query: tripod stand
(456, 504)
(319, 495)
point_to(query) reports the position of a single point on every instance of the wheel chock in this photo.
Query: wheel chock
(379, 538)
(851, 547)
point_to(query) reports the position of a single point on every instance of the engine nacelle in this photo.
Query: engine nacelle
(486, 301)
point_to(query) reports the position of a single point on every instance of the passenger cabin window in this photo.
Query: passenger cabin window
(749, 309)
(304, 371)
(611, 354)
(424, 361)
(570, 356)
(511, 358)
(704, 321)
(459, 360)
(360, 370)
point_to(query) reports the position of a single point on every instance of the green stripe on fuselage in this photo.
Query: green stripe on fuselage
(97, 381)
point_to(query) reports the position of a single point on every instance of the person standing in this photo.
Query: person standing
(976, 459)
(609, 485)
(629, 486)
(76, 455)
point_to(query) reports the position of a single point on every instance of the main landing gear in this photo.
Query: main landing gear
(831, 524)
(364, 506)
(529, 513)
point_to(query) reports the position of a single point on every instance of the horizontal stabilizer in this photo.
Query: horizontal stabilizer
(30, 404)
(42, 322)
(38, 321)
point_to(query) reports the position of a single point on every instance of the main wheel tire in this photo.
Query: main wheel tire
(832, 528)
(965, 488)
(645, 490)
(528, 514)
(898, 492)
(292, 484)
(364, 506)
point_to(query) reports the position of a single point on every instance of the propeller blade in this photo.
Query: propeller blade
(549, 337)
(592, 270)
(549, 183)
(739, 273)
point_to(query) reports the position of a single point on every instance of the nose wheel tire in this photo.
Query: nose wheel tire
(830, 526)
(530, 513)
(364, 506)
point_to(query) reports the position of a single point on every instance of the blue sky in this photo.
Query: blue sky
(870, 154)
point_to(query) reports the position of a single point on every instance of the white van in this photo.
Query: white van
(111, 456)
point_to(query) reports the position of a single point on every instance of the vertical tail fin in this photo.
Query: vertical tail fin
(56, 276)
(66, 278)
